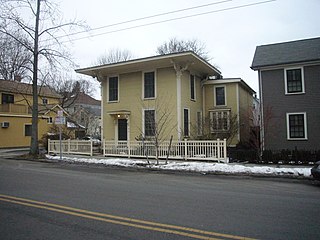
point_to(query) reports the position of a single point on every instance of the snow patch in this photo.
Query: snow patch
(202, 167)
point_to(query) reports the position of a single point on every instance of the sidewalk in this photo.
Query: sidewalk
(13, 152)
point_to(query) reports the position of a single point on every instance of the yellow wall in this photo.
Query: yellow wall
(130, 99)
(193, 105)
(14, 135)
(231, 102)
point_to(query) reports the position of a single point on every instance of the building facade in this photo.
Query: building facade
(15, 113)
(166, 95)
(289, 86)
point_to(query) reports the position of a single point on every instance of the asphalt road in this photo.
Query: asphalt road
(65, 201)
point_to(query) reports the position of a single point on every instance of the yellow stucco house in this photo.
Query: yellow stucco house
(170, 95)
(15, 112)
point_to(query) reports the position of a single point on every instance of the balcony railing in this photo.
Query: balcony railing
(15, 108)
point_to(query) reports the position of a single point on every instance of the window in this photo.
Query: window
(297, 126)
(113, 89)
(199, 123)
(44, 101)
(7, 98)
(27, 130)
(220, 120)
(220, 96)
(50, 120)
(149, 85)
(186, 122)
(192, 88)
(149, 123)
(294, 81)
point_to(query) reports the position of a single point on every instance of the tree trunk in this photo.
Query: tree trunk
(34, 148)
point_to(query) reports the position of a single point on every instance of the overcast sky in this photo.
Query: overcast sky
(230, 36)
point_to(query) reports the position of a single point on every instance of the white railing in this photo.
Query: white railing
(213, 150)
(83, 147)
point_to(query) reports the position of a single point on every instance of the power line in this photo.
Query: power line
(144, 18)
(172, 19)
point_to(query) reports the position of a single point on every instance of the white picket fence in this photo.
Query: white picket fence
(213, 150)
(83, 147)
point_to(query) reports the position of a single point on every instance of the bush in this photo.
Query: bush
(287, 156)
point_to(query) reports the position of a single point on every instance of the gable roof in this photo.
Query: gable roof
(301, 51)
(159, 61)
(86, 99)
(26, 88)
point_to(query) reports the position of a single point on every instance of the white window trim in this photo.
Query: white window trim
(215, 97)
(305, 126)
(212, 112)
(50, 120)
(286, 82)
(194, 87)
(113, 101)
(188, 122)
(143, 114)
(155, 84)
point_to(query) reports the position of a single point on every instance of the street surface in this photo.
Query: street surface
(41, 200)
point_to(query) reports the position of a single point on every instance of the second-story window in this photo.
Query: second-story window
(7, 98)
(220, 96)
(294, 81)
(149, 85)
(192, 88)
(44, 101)
(113, 89)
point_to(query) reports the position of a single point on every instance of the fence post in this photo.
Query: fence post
(218, 149)
(49, 146)
(69, 146)
(128, 149)
(104, 147)
(91, 148)
(185, 149)
(225, 150)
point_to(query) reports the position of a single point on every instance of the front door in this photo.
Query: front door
(122, 130)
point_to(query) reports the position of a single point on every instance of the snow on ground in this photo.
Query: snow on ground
(202, 167)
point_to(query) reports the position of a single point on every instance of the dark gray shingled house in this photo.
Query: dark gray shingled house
(289, 86)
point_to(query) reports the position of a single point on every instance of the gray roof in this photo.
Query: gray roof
(301, 51)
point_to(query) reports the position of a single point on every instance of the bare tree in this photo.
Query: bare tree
(39, 38)
(113, 56)
(175, 45)
(15, 60)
